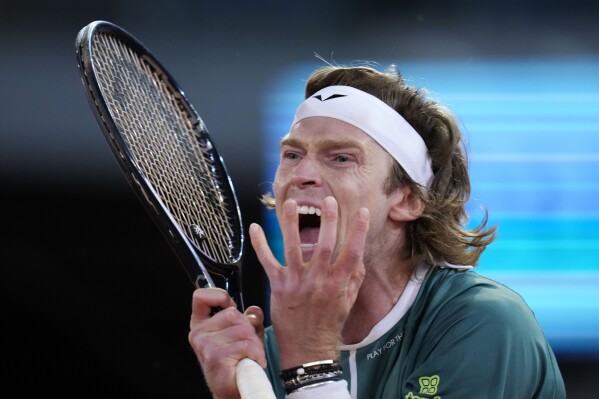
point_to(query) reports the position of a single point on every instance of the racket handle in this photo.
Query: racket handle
(252, 381)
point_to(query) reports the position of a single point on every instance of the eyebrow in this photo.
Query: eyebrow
(327, 143)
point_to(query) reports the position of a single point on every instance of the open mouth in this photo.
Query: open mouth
(309, 224)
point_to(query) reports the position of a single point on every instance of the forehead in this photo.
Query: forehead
(320, 130)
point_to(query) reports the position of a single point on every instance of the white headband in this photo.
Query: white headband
(375, 118)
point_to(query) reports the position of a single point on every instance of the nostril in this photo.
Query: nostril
(303, 178)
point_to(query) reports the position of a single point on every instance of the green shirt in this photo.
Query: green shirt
(464, 336)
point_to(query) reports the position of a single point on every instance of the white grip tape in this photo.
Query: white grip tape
(252, 381)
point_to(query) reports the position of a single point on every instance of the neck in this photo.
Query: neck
(379, 292)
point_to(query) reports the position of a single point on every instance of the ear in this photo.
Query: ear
(405, 206)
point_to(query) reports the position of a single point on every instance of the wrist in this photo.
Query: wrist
(311, 375)
(303, 345)
(296, 357)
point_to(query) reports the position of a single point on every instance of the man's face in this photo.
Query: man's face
(323, 157)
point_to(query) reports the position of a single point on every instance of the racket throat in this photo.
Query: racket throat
(230, 283)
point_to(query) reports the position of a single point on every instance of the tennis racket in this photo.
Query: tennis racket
(169, 159)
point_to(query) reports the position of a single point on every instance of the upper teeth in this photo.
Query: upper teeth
(308, 210)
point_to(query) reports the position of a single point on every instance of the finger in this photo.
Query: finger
(290, 231)
(204, 300)
(237, 336)
(327, 237)
(251, 348)
(256, 317)
(234, 342)
(353, 251)
(263, 251)
(224, 319)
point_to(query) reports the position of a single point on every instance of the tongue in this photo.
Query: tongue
(309, 235)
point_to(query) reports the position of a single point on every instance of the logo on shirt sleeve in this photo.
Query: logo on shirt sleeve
(428, 386)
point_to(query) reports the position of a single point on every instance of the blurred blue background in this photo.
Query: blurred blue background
(95, 304)
(532, 134)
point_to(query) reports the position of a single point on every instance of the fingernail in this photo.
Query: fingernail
(330, 203)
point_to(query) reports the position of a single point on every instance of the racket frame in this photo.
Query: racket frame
(200, 268)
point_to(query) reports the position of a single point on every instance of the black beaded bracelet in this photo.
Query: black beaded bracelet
(321, 366)
(313, 373)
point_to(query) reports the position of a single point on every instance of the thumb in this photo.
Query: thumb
(256, 317)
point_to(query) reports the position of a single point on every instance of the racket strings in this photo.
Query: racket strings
(167, 146)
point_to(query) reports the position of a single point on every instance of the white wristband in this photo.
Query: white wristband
(334, 390)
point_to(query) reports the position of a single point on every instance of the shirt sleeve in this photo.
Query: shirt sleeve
(485, 342)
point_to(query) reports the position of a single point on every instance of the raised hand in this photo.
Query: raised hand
(311, 299)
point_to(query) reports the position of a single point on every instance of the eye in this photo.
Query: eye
(290, 155)
(342, 158)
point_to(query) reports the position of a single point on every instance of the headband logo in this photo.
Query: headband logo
(318, 96)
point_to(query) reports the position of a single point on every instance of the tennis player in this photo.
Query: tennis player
(377, 297)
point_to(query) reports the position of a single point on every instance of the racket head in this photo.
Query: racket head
(164, 150)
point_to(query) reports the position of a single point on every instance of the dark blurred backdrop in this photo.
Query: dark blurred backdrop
(94, 303)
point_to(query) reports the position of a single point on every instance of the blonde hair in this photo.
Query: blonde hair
(439, 234)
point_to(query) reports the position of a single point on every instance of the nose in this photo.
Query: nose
(306, 174)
